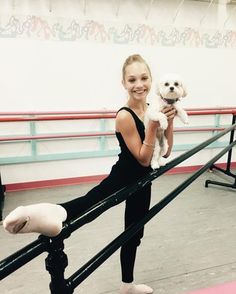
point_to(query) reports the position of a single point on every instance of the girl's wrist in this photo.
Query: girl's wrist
(149, 144)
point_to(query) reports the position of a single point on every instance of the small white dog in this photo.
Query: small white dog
(170, 91)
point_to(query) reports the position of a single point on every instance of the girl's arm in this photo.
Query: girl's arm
(125, 124)
(170, 112)
(143, 151)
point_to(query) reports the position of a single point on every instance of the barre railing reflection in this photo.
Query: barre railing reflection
(56, 262)
(7, 117)
(39, 134)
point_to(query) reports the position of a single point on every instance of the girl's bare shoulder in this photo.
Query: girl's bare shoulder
(124, 119)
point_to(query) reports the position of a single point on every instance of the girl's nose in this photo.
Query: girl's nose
(139, 83)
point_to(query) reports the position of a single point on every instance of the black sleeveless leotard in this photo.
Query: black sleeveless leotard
(127, 163)
(127, 170)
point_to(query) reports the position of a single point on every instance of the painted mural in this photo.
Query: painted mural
(76, 30)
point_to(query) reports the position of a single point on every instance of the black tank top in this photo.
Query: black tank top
(127, 163)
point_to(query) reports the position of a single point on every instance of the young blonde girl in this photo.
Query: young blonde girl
(136, 144)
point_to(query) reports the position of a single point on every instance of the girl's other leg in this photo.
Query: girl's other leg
(136, 207)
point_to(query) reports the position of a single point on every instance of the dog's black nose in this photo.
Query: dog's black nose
(172, 88)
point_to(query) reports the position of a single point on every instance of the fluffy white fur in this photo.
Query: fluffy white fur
(170, 91)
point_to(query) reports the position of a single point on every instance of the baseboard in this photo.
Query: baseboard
(193, 168)
(93, 179)
(54, 183)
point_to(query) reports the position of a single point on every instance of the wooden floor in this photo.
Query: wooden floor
(189, 245)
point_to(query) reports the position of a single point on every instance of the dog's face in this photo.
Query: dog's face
(171, 87)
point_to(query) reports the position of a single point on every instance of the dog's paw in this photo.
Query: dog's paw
(162, 161)
(155, 164)
(183, 117)
(186, 121)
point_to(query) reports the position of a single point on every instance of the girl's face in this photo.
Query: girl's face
(137, 81)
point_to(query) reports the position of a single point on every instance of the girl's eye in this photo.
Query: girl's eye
(132, 80)
(176, 84)
(145, 78)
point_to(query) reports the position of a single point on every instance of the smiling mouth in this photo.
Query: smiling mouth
(140, 92)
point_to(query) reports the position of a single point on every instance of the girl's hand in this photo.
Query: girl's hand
(169, 111)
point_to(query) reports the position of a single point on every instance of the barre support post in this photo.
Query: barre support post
(56, 262)
(227, 171)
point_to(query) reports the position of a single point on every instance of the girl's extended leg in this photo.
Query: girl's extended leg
(47, 218)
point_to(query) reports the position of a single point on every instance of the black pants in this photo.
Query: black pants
(136, 207)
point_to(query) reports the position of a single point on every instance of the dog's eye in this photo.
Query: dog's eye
(167, 84)
(176, 84)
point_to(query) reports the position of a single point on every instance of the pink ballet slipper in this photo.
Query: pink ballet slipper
(130, 288)
(42, 218)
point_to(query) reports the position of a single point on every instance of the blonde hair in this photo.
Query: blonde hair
(134, 58)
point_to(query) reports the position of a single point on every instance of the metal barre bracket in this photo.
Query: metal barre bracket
(227, 171)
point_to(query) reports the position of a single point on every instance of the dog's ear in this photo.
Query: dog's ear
(185, 93)
(158, 89)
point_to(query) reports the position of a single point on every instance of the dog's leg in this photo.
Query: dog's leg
(155, 156)
(162, 161)
(164, 146)
(164, 149)
(182, 114)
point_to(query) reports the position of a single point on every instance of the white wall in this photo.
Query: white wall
(66, 56)
(51, 75)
